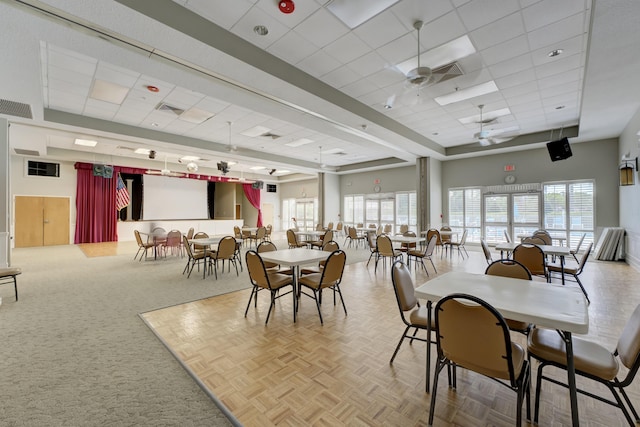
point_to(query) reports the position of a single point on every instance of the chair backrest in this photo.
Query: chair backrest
(187, 246)
(445, 238)
(291, 237)
(403, 287)
(267, 247)
(339, 226)
(353, 233)
(138, 238)
(473, 334)
(487, 252)
(158, 230)
(387, 228)
(330, 226)
(404, 228)
(372, 226)
(359, 225)
(328, 236)
(628, 347)
(333, 268)
(237, 233)
(372, 242)
(173, 238)
(384, 245)
(200, 235)
(257, 270)
(330, 246)
(534, 240)
(409, 234)
(577, 249)
(508, 268)
(378, 230)
(268, 229)
(431, 246)
(433, 232)
(226, 248)
(262, 231)
(190, 233)
(463, 239)
(319, 227)
(583, 260)
(544, 235)
(507, 236)
(531, 256)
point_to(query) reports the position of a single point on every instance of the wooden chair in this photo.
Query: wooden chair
(261, 279)
(592, 361)
(329, 278)
(473, 335)
(9, 275)
(413, 315)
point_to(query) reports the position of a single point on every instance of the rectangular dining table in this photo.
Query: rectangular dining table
(294, 258)
(546, 305)
(559, 251)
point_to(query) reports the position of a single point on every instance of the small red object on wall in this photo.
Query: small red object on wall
(286, 6)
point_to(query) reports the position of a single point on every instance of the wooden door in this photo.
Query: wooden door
(267, 213)
(56, 221)
(41, 221)
(238, 211)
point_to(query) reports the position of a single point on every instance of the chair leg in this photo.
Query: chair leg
(439, 365)
(404, 334)
(253, 291)
(584, 291)
(15, 287)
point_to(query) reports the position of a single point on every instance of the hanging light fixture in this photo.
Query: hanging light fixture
(627, 168)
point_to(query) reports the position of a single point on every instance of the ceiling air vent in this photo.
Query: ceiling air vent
(166, 107)
(24, 152)
(12, 108)
(446, 72)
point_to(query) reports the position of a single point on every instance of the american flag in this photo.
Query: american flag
(122, 194)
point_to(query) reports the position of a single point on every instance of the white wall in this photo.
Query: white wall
(630, 195)
(332, 198)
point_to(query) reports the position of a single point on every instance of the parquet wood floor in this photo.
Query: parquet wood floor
(339, 373)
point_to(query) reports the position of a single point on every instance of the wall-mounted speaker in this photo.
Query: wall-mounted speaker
(559, 150)
(102, 170)
(257, 185)
(108, 172)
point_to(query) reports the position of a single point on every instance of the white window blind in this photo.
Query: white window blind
(526, 209)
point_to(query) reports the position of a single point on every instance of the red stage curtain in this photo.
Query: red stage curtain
(253, 195)
(96, 213)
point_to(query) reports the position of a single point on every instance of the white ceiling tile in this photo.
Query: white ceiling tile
(64, 61)
(321, 28)
(341, 77)
(506, 50)
(386, 77)
(498, 32)
(117, 75)
(381, 29)
(358, 88)
(368, 64)
(69, 87)
(566, 77)
(572, 46)
(514, 65)
(347, 48)
(318, 64)
(549, 11)
(292, 48)
(427, 11)
(400, 49)
(560, 66)
(482, 12)
(183, 98)
(515, 79)
(442, 30)
(303, 10)
(217, 11)
(557, 32)
(256, 16)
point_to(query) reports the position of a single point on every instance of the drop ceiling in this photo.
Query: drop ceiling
(194, 78)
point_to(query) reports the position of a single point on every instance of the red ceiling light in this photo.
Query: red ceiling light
(152, 89)
(286, 6)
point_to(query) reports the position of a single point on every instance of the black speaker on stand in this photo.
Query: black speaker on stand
(559, 150)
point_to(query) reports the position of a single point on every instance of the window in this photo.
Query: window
(465, 212)
(288, 212)
(43, 169)
(406, 210)
(569, 210)
(353, 210)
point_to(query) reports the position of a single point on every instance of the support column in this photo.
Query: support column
(423, 193)
(321, 187)
(5, 195)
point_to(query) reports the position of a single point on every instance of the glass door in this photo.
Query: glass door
(496, 217)
(518, 214)
(305, 214)
(525, 214)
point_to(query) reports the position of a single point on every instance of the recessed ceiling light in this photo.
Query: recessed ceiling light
(255, 131)
(108, 92)
(555, 52)
(85, 142)
(195, 115)
(299, 142)
(467, 93)
(261, 30)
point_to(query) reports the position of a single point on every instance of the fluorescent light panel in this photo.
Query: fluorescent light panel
(355, 12)
(299, 142)
(255, 131)
(468, 93)
(189, 158)
(108, 92)
(333, 151)
(195, 115)
(488, 115)
(281, 172)
(145, 151)
(257, 168)
(441, 55)
(85, 142)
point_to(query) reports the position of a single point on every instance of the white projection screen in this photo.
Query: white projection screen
(172, 198)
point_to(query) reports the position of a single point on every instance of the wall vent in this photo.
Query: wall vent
(12, 108)
(446, 72)
(24, 152)
(170, 108)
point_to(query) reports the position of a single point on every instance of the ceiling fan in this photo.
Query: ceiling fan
(420, 76)
(165, 171)
(493, 136)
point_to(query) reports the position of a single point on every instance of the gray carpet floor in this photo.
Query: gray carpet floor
(74, 352)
